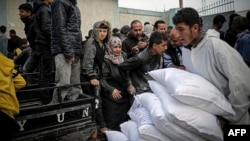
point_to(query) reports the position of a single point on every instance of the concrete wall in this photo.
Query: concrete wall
(243, 13)
(128, 15)
(170, 15)
(96, 10)
(13, 19)
(3, 14)
(208, 21)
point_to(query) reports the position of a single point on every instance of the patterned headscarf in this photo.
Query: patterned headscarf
(109, 55)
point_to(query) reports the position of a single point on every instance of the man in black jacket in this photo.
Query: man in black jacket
(27, 17)
(136, 40)
(43, 40)
(66, 39)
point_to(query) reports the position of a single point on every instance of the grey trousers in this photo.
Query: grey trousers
(66, 73)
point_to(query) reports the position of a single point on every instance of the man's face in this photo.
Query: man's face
(188, 34)
(11, 34)
(220, 25)
(175, 39)
(161, 27)
(160, 48)
(24, 13)
(102, 34)
(136, 30)
(168, 32)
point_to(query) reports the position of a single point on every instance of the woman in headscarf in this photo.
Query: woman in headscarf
(116, 89)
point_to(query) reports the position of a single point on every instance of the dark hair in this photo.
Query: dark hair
(115, 30)
(219, 19)
(248, 15)
(170, 27)
(125, 29)
(26, 7)
(157, 37)
(240, 22)
(133, 22)
(146, 23)
(24, 41)
(12, 31)
(159, 22)
(13, 43)
(201, 21)
(187, 15)
(231, 17)
(3, 28)
(90, 34)
(103, 26)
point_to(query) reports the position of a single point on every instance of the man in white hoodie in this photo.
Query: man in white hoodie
(217, 62)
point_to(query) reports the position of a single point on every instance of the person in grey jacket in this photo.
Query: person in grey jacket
(66, 38)
(218, 63)
(93, 56)
(147, 60)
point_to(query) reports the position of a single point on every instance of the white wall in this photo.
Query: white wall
(241, 5)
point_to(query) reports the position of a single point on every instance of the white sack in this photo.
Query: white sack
(194, 90)
(151, 133)
(116, 136)
(162, 122)
(130, 129)
(195, 120)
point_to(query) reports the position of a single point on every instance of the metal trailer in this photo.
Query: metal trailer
(63, 121)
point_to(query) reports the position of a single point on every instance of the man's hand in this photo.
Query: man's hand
(142, 45)
(135, 50)
(94, 82)
(131, 89)
(116, 94)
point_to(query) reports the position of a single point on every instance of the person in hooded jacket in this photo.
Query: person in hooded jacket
(93, 56)
(10, 81)
(66, 39)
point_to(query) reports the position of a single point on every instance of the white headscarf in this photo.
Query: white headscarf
(109, 55)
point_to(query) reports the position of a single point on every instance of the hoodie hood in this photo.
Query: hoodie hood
(96, 28)
(7, 65)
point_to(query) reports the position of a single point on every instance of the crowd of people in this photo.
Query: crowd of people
(116, 61)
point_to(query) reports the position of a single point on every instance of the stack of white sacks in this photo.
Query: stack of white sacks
(182, 107)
